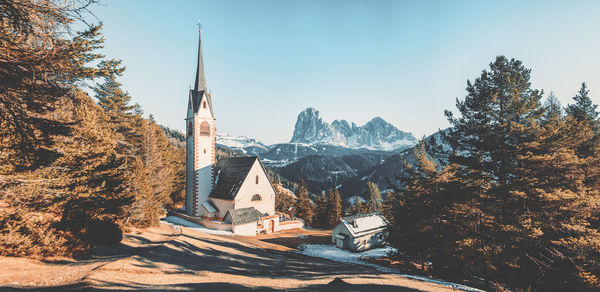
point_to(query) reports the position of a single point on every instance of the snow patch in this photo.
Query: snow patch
(333, 253)
(176, 221)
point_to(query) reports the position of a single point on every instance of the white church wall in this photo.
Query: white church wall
(204, 152)
(249, 188)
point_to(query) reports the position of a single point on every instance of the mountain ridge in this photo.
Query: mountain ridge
(376, 134)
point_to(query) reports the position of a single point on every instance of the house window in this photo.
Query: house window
(256, 197)
(204, 151)
(204, 104)
(204, 129)
(256, 179)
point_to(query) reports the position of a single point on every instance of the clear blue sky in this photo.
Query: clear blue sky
(405, 61)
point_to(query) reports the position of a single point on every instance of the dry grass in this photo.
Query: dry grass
(183, 259)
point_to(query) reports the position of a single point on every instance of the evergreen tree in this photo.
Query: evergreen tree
(283, 201)
(583, 109)
(390, 206)
(321, 219)
(356, 207)
(553, 109)
(374, 204)
(334, 212)
(43, 62)
(585, 117)
(523, 188)
(304, 208)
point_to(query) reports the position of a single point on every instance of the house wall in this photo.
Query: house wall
(249, 188)
(247, 229)
(339, 229)
(371, 240)
(368, 241)
(222, 206)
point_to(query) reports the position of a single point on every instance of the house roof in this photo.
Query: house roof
(244, 215)
(231, 173)
(365, 223)
(208, 205)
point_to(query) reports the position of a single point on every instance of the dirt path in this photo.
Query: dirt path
(185, 259)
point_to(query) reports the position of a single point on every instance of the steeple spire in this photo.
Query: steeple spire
(200, 84)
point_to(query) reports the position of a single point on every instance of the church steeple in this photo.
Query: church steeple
(200, 93)
(200, 84)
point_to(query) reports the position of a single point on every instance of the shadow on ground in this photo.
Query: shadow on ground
(335, 285)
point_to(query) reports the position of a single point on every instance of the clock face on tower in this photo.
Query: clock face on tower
(190, 129)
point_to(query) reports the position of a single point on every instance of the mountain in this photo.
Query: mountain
(324, 155)
(243, 144)
(377, 134)
(386, 174)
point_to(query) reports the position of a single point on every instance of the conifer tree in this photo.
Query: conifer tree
(390, 206)
(524, 190)
(553, 109)
(334, 208)
(283, 201)
(584, 116)
(304, 208)
(374, 204)
(43, 61)
(321, 219)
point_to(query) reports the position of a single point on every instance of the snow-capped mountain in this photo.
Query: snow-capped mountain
(377, 134)
(244, 144)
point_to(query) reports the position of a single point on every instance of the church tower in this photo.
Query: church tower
(200, 141)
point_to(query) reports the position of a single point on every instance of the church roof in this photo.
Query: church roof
(231, 173)
(200, 82)
(244, 215)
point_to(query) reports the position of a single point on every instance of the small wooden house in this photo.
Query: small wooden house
(361, 232)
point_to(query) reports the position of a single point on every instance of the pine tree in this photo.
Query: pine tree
(525, 200)
(374, 204)
(304, 208)
(334, 208)
(583, 109)
(390, 206)
(41, 66)
(283, 201)
(553, 109)
(584, 115)
(93, 185)
(321, 219)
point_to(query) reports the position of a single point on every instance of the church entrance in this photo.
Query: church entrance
(272, 225)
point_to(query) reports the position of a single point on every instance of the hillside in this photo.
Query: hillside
(181, 258)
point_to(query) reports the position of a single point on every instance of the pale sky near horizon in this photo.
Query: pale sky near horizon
(404, 61)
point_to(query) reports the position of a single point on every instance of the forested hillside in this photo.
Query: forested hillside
(73, 172)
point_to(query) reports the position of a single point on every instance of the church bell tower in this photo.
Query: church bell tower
(200, 141)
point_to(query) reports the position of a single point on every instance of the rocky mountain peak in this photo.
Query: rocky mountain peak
(377, 134)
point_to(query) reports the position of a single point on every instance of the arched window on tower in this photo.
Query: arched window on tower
(256, 179)
(204, 129)
(204, 104)
(256, 197)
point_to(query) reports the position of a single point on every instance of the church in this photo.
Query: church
(234, 194)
